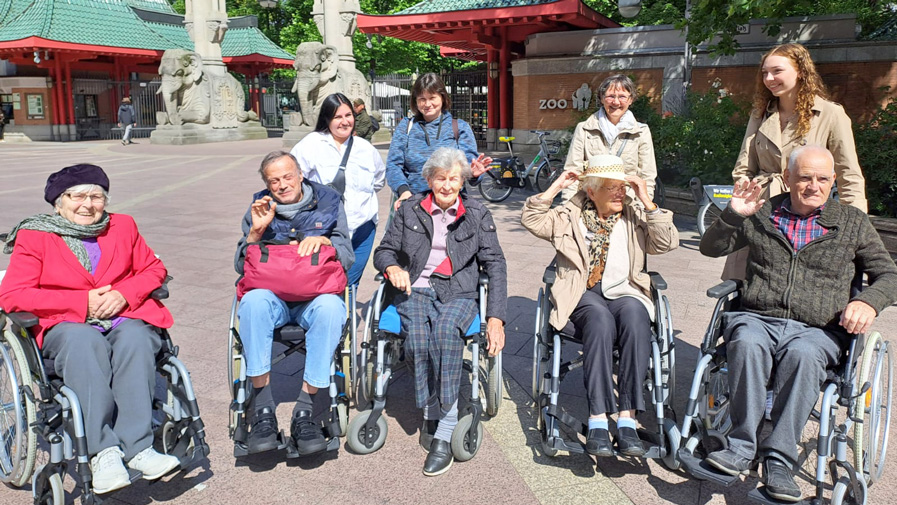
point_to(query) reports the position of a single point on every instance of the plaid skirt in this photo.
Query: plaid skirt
(433, 334)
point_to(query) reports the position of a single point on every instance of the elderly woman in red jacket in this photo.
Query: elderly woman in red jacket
(87, 275)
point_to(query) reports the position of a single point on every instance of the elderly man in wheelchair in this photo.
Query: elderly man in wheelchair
(603, 296)
(84, 284)
(307, 219)
(796, 313)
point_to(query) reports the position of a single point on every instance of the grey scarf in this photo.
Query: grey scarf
(71, 233)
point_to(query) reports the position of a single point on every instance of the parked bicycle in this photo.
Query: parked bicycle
(506, 174)
(712, 199)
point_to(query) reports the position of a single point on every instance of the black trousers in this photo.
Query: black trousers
(603, 324)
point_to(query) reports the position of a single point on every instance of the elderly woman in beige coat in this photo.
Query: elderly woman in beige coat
(602, 292)
(613, 129)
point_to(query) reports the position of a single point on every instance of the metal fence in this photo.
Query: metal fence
(392, 97)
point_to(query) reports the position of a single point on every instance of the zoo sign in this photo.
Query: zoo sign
(580, 100)
(552, 104)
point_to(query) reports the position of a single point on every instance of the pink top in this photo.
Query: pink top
(441, 220)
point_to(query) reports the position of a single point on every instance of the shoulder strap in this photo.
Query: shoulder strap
(408, 133)
(455, 130)
(622, 146)
(339, 181)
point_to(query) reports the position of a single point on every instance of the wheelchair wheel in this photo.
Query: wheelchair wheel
(170, 434)
(17, 414)
(364, 384)
(672, 439)
(543, 436)
(491, 186)
(53, 493)
(493, 385)
(342, 413)
(874, 408)
(465, 447)
(364, 441)
(843, 493)
(235, 361)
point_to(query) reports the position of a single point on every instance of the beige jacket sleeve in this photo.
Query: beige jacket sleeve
(851, 183)
(746, 166)
(647, 163)
(663, 236)
(538, 218)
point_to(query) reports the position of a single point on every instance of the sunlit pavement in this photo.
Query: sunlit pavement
(188, 202)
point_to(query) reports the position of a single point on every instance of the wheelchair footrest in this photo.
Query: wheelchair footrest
(134, 475)
(760, 495)
(293, 453)
(699, 469)
(283, 442)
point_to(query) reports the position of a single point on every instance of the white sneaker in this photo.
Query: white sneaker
(109, 473)
(152, 464)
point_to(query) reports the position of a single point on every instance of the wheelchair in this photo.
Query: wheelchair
(549, 370)
(36, 405)
(293, 338)
(381, 352)
(861, 384)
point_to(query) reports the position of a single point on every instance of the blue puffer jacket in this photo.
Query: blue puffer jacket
(324, 216)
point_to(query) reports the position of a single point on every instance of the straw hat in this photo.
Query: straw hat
(605, 166)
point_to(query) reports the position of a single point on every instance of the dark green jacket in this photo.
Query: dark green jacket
(811, 285)
(363, 126)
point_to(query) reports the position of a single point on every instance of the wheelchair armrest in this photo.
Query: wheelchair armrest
(484, 279)
(22, 319)
(658, 281)
(550, 274)
(379, 277)
(724, 288)
(161, 293)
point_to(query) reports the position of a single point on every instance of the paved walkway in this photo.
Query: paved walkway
(188, 202)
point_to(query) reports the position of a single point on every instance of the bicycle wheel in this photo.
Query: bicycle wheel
(491, 186)
(547, 173)
(707, 215)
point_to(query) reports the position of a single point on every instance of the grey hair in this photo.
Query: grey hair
(82, 188)
(446, 159)
(593, 183)
(809, 148)
(617, 80)
(271, 158)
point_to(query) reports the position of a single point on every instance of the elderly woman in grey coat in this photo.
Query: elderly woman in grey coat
(431, 253)
(601, 237)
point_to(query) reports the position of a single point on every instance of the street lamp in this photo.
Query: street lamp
(268, 4)
(629, 8)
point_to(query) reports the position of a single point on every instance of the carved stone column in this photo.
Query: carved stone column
(206, 23)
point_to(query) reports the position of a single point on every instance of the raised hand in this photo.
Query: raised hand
(480, 165)
(746, 199)
(640, 187)
(262, 213)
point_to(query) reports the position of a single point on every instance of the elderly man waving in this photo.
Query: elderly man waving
(804, 252)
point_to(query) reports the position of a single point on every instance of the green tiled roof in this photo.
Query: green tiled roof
(113, 23)
(428, 6)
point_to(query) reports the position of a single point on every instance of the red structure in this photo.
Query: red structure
(491, 35)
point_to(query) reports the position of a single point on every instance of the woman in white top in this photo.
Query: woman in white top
(320, 155)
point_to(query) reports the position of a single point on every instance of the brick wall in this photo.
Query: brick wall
(855, 85)
(529, 90)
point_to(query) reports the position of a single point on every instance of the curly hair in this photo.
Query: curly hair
(809, 84)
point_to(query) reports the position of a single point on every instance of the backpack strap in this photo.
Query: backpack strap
(339, 181)
(455, 130)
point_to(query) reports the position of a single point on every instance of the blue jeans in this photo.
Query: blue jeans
(261, 312)
(362, 244)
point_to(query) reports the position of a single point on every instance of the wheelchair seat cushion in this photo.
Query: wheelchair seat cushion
(289, 333)
(389, 322)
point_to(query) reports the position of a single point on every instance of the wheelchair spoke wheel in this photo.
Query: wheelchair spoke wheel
(465, 445)
(17, 413)
(342, 413)
(170, 434)
(364, 440)
(364, 393)
(843, 493)
(874, 408)
(707, 215)
(491, 186)
(493, 384)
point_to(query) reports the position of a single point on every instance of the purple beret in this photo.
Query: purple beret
(71, 176)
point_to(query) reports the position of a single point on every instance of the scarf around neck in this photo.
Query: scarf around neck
(600, 243)
(610, 130)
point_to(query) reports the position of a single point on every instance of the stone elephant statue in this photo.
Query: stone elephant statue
(191, 95)
(316, 73)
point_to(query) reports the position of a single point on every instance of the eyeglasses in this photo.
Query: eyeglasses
(615, 190)
(618, 98)
(81, 197)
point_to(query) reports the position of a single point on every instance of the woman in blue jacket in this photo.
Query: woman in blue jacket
(430, 127)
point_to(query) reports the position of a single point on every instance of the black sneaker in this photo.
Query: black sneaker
(598, 443)
(263, 431)
(307, 434)
(728, 462)
(427, 430)
(779, 480)
(629, 443)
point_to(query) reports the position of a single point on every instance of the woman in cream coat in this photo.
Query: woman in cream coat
(614, 130)
(601, 238)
